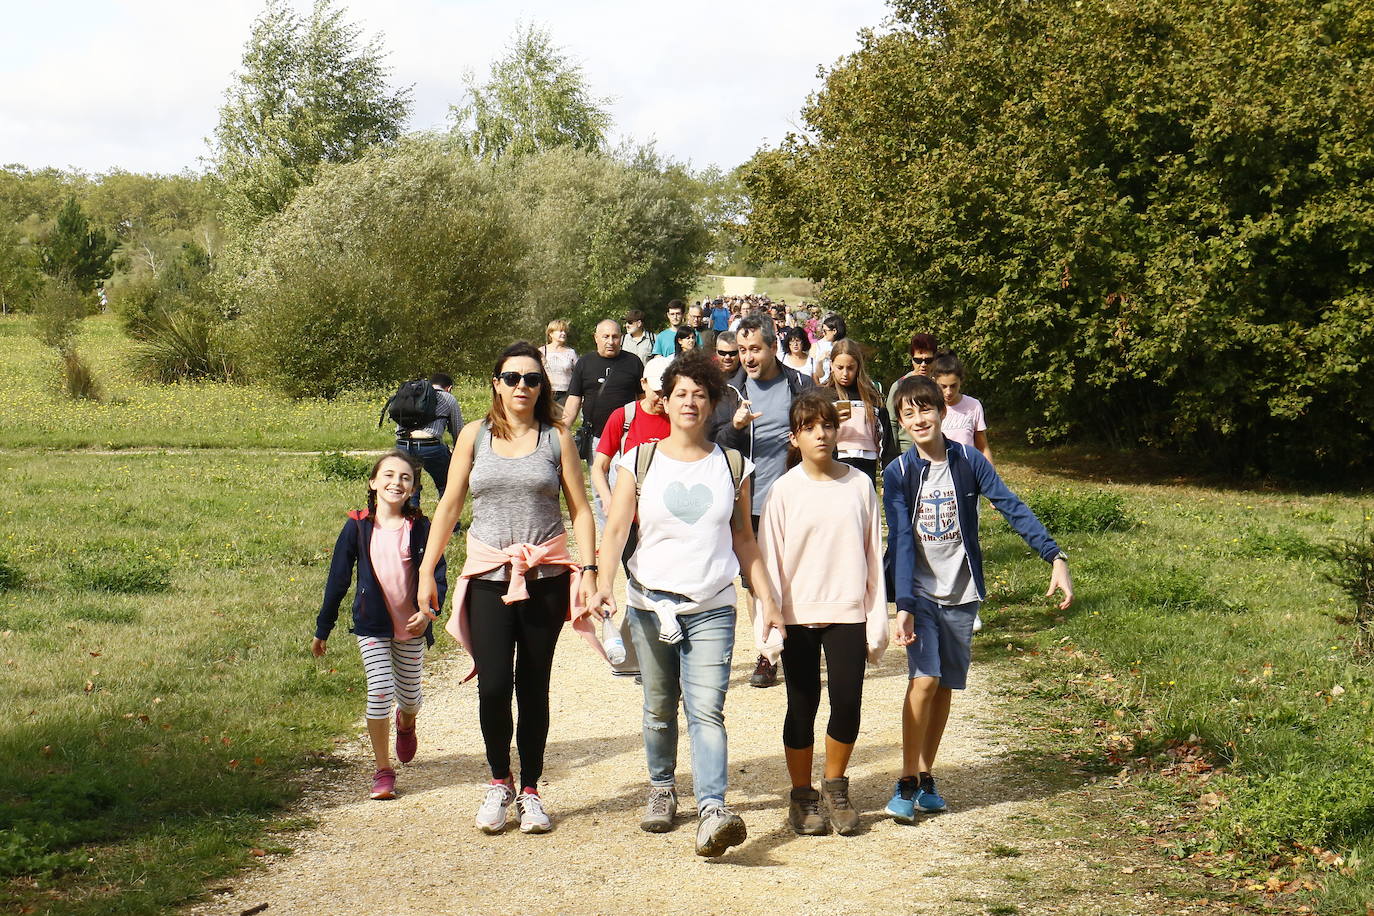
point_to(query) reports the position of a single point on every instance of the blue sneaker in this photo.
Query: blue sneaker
(928, 800)
(902, 805)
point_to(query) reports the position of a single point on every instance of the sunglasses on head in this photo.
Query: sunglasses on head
(728, 353)
(531, 379)
(923, 360)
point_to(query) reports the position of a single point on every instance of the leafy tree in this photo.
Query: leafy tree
(604, 235)
(387, 268)
(74, 251)
(18, 268)
(310, 92)
(536, 98)
(1140, 219)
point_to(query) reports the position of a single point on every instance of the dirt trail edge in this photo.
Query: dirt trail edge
(1000, 849)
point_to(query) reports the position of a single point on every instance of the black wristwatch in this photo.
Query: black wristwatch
(590, 567)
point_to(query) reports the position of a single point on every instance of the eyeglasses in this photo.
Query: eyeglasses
(923, 360)
(731, 354)
(531, 379)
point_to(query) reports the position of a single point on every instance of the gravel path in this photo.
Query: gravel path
(421, 854)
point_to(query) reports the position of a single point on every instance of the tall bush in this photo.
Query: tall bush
(603, 235)
(1142, 219)
(393, 266)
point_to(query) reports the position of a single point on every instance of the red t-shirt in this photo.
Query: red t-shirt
(644, 427)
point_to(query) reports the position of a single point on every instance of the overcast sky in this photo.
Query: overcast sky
(137, 84)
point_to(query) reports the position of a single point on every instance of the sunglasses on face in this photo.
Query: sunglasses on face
(923, 360)
(727, 354)
(531, 379)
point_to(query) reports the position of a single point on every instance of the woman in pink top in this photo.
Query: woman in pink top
(385, 544)
(859, 404)
(822, 545)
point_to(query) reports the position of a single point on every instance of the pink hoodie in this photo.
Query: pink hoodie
(521, 558)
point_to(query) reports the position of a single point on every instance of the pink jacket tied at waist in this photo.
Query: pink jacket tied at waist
(521, 558)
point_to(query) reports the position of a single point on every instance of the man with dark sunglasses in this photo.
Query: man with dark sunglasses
(727, 353)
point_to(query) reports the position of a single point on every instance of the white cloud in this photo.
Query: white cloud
(137, 84)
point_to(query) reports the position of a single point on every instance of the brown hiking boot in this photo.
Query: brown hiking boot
(835, 801)
(765, 673)
(805, 815)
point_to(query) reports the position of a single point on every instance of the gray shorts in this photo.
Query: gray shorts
(944, 642)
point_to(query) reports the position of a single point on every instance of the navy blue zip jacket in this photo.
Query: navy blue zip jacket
(973, 475)
(721, 426)
(370, 616)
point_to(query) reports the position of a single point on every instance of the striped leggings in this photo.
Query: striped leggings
(393, 673)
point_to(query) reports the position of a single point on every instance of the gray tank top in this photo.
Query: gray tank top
(515, 500)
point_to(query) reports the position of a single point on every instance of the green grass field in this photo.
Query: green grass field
(34, 413)
(159, 729)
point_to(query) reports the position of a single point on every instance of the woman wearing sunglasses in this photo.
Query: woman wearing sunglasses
(923, 349)
(519, 582)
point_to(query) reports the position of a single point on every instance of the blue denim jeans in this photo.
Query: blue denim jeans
(434, 457)
(697, 671)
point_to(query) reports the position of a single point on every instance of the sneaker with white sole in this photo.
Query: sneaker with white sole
(660, 810)
(533, 817)
(491, 817)
(718, 830)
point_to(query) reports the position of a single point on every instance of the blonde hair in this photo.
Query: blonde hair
(558, 324)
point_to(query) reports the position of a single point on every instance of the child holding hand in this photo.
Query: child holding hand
(385, 543)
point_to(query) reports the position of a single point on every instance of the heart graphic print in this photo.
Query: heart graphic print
(688, 504)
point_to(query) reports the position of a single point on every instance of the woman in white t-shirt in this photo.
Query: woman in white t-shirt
(559, 359)
(695, 533)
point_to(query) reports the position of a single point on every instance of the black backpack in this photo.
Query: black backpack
(414, 405)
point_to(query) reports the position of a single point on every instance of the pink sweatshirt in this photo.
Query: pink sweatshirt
(823, 546)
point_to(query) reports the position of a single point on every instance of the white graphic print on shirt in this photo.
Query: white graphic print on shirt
(942, 573)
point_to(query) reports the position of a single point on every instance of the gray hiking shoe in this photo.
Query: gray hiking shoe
(718, 830)
(804, 814)
(660, 810)
(835, 801)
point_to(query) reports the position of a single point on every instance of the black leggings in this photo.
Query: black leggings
(512, 646)
(846, 650)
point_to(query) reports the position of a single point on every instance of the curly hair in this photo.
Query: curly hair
(700, 368)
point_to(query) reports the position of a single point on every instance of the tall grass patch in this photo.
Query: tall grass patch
(153, 734)
(1216, 623)
(134, 411)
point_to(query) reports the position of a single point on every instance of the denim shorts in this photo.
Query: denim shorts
(944, 642)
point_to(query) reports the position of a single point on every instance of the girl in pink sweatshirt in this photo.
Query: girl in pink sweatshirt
(820, 538)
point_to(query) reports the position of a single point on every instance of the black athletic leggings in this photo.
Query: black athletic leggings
(512, 646)
(846, 650)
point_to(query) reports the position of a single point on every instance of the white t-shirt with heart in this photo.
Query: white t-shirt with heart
(685, 546)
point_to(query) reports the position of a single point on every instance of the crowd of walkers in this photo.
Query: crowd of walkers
(746, 440)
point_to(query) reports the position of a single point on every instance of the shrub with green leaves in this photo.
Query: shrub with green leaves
(11, 576)
(122, 571)
(1079, 511)
(1141, 220)
(338, 466)
(1351, 562)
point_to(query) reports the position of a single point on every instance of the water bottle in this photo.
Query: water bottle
(611, 641)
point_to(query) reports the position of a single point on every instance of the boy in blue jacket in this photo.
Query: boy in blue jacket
(930, 495)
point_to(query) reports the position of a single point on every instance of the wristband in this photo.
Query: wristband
(590, 567)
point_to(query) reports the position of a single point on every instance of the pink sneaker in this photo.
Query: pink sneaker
(384, 784)
(406, 742)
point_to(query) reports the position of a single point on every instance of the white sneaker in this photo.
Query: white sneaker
(491, 817)
(719, 828)
(533, 817)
